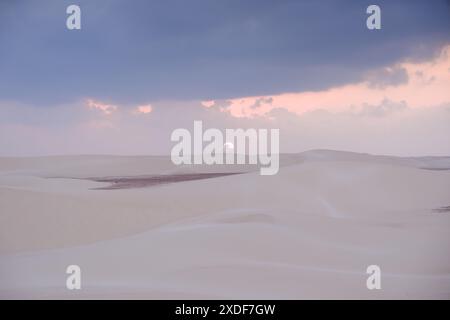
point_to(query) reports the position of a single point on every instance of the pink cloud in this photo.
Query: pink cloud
(143, 109)
(425, 84)
(207, 103)
(98, 105)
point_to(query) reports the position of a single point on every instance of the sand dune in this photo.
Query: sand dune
(308, 232)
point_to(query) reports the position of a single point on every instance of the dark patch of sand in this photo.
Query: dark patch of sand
(442, 209)
(149, 181)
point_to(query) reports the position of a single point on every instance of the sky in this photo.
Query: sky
(138, 70)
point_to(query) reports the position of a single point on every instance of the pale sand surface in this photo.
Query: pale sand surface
(308, 232)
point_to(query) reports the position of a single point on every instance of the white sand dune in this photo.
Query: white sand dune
(308, 232)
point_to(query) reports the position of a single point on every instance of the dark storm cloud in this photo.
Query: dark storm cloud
(137, 51)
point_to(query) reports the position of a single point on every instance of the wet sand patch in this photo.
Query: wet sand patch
(442, 209)
(154, 180)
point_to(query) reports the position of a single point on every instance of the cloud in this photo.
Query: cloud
(106, 109)
(221, 105)
(389, 127)
(143, 109)
(201, 49)
(384, 109)
(427, 85)
(387, 76)
(261, 101)
(207, 103)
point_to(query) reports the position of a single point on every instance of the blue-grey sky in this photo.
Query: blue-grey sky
(136, 51)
